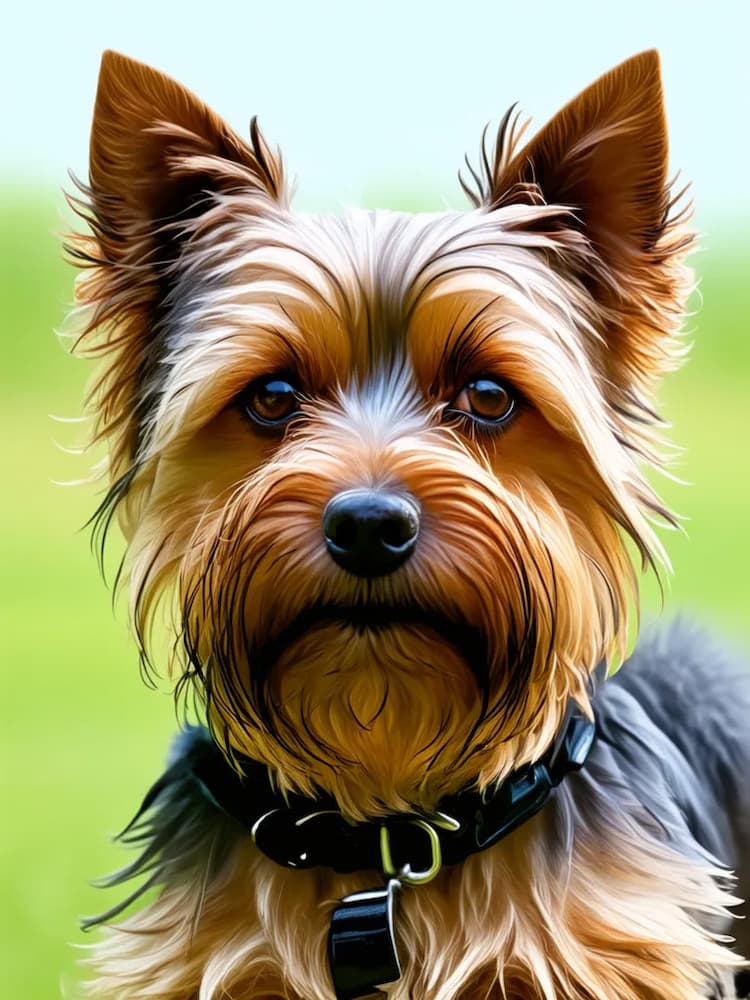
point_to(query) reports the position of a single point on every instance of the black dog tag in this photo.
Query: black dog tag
(361, 943)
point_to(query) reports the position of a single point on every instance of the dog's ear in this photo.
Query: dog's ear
(157, 153)
(159, 158)
(604, 156)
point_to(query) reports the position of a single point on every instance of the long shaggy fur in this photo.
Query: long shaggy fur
(603, 895)
(567, 282)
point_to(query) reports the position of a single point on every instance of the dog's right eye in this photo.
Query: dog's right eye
(270, 401)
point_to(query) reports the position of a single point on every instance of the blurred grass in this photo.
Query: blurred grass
(81, 738)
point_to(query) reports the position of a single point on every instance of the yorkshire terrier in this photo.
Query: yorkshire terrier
(384, 473)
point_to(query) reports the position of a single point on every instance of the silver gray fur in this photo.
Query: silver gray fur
(674, 740)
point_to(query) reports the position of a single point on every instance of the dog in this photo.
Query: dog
(383, 475)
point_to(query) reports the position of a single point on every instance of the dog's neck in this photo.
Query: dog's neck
(407, 849)
(298, 831)
(301, 832)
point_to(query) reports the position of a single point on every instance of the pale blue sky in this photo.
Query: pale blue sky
(366, 97)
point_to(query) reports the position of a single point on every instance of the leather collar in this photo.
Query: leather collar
(298, 832)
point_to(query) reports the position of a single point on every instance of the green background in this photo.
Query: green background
(81, 736)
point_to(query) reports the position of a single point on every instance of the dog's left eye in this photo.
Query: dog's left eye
(487, 400)
(270, 401)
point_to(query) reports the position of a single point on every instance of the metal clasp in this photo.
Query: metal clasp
(406, 874)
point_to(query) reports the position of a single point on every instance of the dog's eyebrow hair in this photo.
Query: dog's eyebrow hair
(435, 384)
(371, 281)
(461, 351)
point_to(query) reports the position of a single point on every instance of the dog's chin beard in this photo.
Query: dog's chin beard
(385, 708)
(380, 706)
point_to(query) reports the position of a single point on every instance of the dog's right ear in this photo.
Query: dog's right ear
(158, 159)
(157, 151)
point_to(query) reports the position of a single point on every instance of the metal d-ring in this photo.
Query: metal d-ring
(406, 874)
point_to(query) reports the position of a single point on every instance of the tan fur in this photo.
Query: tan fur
(511, 923)
(567, 281)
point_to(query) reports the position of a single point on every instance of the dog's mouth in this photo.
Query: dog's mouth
(466, 639)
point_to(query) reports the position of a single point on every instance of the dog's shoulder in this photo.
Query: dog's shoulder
(694, 686)
(676, 719)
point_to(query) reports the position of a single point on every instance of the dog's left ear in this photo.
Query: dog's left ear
(604, 156)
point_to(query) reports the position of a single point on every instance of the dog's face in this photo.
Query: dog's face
(382, 466)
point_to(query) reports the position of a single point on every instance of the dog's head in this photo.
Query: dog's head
(382, 467)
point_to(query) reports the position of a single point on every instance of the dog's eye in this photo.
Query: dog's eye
(270, 401)
(487, 400)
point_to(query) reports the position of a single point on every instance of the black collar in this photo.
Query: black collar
(407, 849)
(298, 832)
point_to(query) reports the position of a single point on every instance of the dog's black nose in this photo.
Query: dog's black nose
(370, 532)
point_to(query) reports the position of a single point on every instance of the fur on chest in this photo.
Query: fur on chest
(579, 903)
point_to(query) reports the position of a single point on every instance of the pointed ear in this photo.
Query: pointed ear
(158, 160)
(156, 150)
(604, 156)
